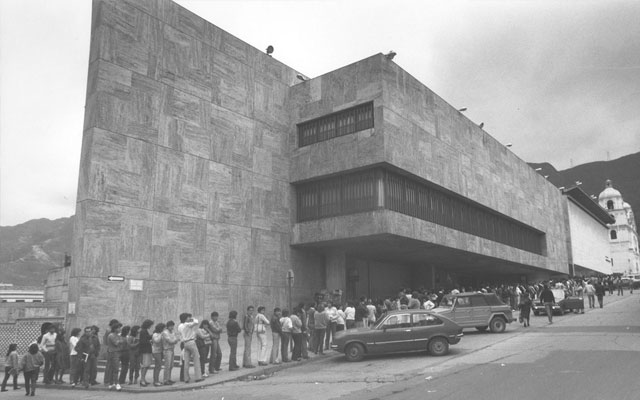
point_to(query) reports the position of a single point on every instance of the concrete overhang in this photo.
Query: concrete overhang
(386, 235)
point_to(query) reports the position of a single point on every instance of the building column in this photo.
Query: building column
(336, 270)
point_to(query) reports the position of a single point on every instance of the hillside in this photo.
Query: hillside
(624, 173)
(28, 250)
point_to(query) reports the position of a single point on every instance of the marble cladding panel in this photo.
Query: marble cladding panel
(186, 63)
(184, 137)
(233, 86)
(232, 137)
(112, 240)
(230, 198)
(182, 184)
(134, 113)
(217, 298)
(270, 151)
(228, 254)
(117, 169)
(178, 248)
(126, 36)
(270, 204)
(270, 103)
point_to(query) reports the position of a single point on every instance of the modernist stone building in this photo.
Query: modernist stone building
(209, 171)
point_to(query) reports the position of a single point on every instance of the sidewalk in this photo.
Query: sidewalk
(223, 376)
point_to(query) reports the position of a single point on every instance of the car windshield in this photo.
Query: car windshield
(379, 320)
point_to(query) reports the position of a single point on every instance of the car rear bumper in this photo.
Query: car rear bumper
(454, 339)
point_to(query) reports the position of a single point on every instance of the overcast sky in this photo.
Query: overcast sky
(559, 80)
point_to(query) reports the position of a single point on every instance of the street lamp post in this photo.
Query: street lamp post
(290, 278)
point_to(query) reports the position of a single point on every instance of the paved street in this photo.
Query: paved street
(581, 356)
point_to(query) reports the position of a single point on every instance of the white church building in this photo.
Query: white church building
(623, 234)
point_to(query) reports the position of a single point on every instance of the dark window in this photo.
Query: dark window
(478, 301)
(614, 234)
(610, 205)
(359, 192)
(337, 124)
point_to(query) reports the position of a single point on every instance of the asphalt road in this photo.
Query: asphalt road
(595, 355)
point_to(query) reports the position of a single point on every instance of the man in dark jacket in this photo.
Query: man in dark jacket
(548, 299)
(88, 348)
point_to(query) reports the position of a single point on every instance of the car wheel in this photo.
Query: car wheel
(481, 328)
(438, 346)
(497, 325)
(354, 352)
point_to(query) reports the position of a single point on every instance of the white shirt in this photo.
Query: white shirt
(428, 305)
(187, 330)
(340, 320)
(48, 342)
(73, 341)
(350, 313)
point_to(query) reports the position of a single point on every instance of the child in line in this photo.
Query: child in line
(30, 365)
(11, 367)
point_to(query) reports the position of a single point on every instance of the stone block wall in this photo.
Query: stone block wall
(184, 175)
(418, 132)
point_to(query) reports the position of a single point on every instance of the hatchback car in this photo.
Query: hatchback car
(476, 310)
(399, 331)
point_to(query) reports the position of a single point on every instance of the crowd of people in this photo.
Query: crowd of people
(130, 351)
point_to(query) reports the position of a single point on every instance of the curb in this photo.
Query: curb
(259, 373)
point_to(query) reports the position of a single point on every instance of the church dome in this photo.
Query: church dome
(609, 192)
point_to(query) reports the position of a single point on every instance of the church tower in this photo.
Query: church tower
(623, 235)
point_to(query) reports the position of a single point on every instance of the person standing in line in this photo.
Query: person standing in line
(276, 336)
(350, 315)
(105, 347)
(125, 356)
(286, 324)
(203, 343)
(74, 360)
(548, 299)
(311, 328)
(133, 344)
(30, 365)
(216, 353)
(48, 349)
(233, 329)
(169, 340)
(88, 349)
(248, 328)
(320, 320)
(114, 347)
(261, 324)
(332, 323)
(62, 358)
(296, 334)
(145, 350)
(600, 291)
(156, 352)
(11, 367)
(340, 322)
(304, 342)
(371, 313)
(187, 332)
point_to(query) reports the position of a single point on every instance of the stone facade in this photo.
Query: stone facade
(184, 171)
(190, 163)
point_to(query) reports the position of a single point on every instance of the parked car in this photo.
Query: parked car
(476, 310)
(563, 304)
(399, 331)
